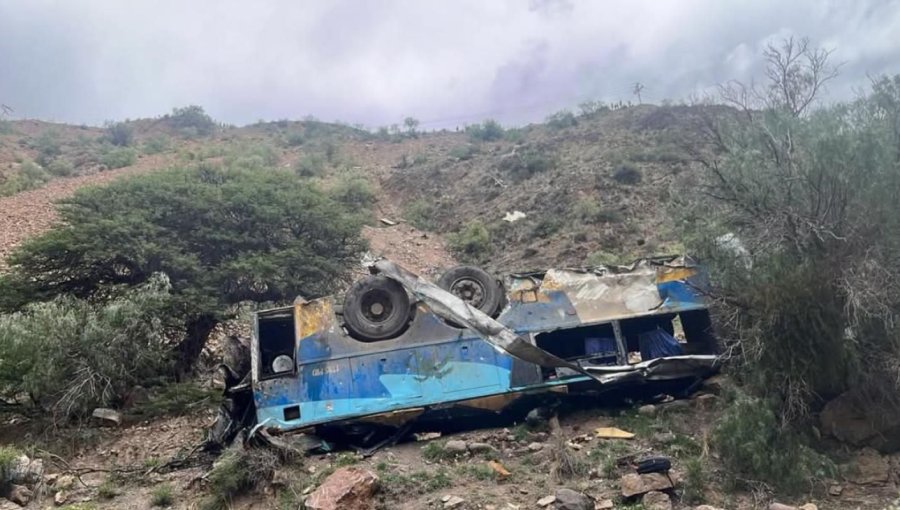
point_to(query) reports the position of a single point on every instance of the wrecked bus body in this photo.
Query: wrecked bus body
(561, 330)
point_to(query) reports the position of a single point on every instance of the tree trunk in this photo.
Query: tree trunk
(197, 330)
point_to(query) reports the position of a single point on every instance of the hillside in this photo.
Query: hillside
(596, 188)
(594, 185)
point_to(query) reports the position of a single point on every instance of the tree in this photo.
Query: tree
(411, 125)
(221, 236)
(119, 133)
(811, 194)
(192, 121)
(637, 89)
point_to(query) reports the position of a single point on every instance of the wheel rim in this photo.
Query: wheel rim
(469, 290)
(376, 306)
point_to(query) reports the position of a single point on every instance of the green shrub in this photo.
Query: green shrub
(223, 236)
(162, 495)
(8, 454)
(463, 152)
(294, 139)
(310, 165)
(546, 227)
(6, 127)
(695, 480)
(627, 174)
(488, 131)
(591, 108)
(61, 167)
(28, 176)
(119, 134)
(754, 446)
(473, 241)
(561, 120)
(237, 471)
(421, 214)
(118, 157)
(191, 121)
(526, 163)
(48, 145)
(175, 399)
(353, 191)
(70, 356)
(157, 144)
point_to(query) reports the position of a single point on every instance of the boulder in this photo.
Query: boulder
(60, 498)
(567, 499)
(546, 500)
(19, 494)
(456, 447)
(647, 410)
(868, 468)
(348, 488)
(853, 419)
(452, 501)
(634, 484)
(655, 500)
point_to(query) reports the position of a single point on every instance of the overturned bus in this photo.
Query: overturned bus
(399, 350)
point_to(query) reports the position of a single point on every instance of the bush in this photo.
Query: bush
(488, 131)
(627, 174)
(119, 157)
(310, 165)
(561, 120)
(353, 191)
(473, 241)
(294, 139)
(463, 152)
(237, 471)
(61, 167)
(162, 495)
(526, 163)
(752, 444)
(253, 157)
(119, 134)
(591, 108)
(48, 145)
(28, 176)
(421, 214)
(70, 356)
(157, 144)
(191, 121)
(223, 236)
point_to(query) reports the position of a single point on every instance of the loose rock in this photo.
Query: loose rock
(655, 500)
(604, 504)
(546, 500)
(869, 467)
(835, 490)
(634, 484)
(781, 506)
(567, 499)
(647, 410)
(348, 488)
(20, 495)
(706, 507)
(852, 419)
(60, 497)
(480, 448)
(453, 502)
(809, 506)
(536, 447)
(24, 471)
(456, 447)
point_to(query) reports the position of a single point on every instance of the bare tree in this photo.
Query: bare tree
(637, 89)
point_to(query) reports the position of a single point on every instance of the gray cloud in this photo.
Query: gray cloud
(446, 63)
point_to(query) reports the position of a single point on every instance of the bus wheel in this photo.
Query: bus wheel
(376, 308)
(474, 286)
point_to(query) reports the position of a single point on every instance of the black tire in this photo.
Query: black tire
(474, 286)
(376, 308)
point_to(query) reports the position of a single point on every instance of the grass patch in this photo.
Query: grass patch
(695, 479)
(477, 471)
(8, 455)
(162, 496)
(435, 451)
(108, 489)
(237, 472)
(417, 483)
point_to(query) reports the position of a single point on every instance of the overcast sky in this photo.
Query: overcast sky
(374, 62)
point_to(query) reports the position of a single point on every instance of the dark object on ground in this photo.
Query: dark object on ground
(474, 286)
(376, 308)
(654, 465)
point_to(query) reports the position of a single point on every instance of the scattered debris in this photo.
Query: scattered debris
(427, 436)
(498, 468)
(634, 484)
(835, 490)
(656, 500)
(781, 506)
(612, 433)
(388, 222)
(706, 507)
(604, 504)
(107, 415)
(514, 216)
(535, 447)
(480, 448)
(809, 506)
(568, 499)
(348, 488)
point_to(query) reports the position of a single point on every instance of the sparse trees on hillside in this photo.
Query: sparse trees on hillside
(119, 133)
(192, 121)
(411, 125)
(221, 236)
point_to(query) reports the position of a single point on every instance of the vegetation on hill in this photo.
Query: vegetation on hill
(222, 236)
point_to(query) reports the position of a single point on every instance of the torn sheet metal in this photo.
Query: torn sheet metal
(452, 308)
